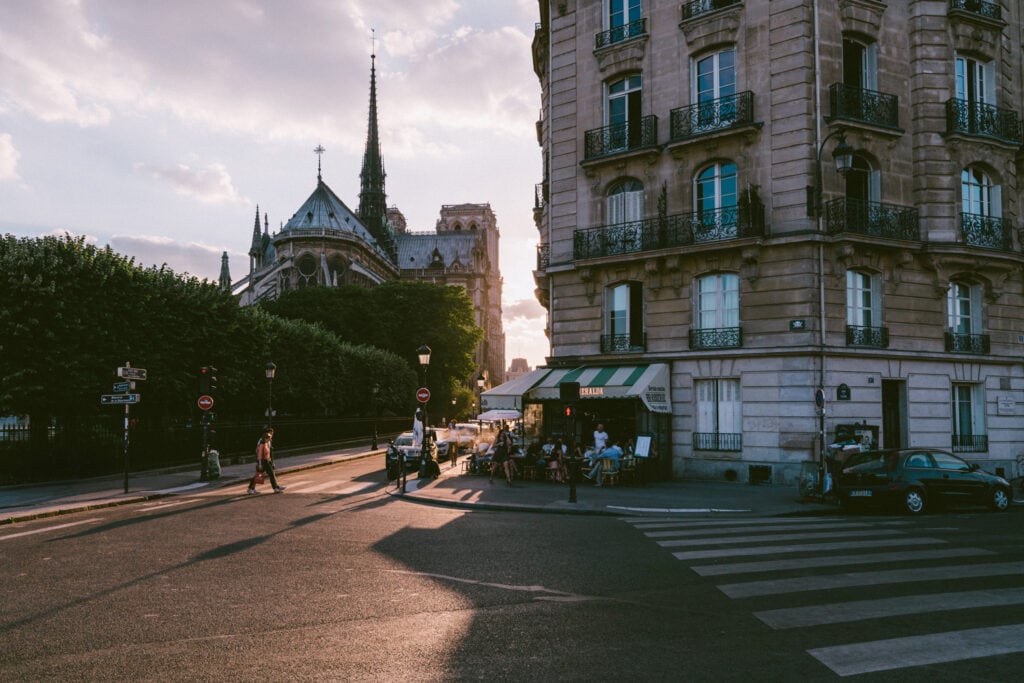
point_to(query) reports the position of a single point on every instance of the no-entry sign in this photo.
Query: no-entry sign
(205, 402)
(423, 394)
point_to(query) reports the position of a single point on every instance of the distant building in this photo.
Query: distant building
(518, 368)
(326, 244)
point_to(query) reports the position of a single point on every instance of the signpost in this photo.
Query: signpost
(205, 402)
(423, 395)
(128, 372)
(119, 399)
(123, 387)
(122, 397)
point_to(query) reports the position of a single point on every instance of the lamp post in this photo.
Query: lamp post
(375, 391)
(423, 353)
(843, 157)
(269, 370)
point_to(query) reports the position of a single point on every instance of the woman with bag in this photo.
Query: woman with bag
(264, 464)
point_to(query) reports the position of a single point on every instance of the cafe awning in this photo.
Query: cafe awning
(649, 383)
(509, 396)
(499, 415)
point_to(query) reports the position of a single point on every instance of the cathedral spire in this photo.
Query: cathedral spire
(372, 198)
(254, 248)
(225, 274)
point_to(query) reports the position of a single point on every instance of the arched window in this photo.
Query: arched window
(863, 182)
(979, 195)
(714, 196)
(625, 202)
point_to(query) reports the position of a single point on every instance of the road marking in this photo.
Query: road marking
(802, 548)
(670, 522)
(165, 505)
(319, 487)
(671, 510)
(359, 487)
(837, 561)
(745, 530)
(543, 593)
(817, 583)
(808, 536)
(49, 528)
(935, 648)
(186, 487)
(859, 610)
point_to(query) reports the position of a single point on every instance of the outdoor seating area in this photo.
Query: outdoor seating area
(527, 466)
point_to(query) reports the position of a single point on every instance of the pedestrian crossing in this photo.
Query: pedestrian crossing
(330, 487)
(803, 565)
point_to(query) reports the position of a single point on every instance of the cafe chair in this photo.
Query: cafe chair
(609, 472)
(627, 470)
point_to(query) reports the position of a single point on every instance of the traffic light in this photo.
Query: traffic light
(570, 411)
(205, 386)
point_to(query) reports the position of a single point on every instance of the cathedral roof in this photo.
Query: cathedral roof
(323, 213)
(417, 251)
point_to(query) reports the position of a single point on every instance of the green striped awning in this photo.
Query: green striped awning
(649, 383)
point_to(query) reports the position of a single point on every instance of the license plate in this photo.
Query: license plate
(860, 494)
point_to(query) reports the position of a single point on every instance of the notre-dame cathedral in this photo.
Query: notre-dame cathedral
(326, 244)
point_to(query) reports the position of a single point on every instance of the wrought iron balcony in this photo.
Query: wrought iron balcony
(699, 7)
(989, 232)
(620, 137)
(543, 256)
(868, 106)
(967, 343)
(620, 33)
(874, 337)
(709, 117)
(846, 215)
(716, 338)
(984, 120)
(715, 441)
(623, 343)
(989, 10)
(970, 443)
(681, 230)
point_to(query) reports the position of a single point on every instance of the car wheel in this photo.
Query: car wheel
(913, 501)
(999, 499)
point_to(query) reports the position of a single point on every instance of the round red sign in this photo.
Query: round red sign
(423, 395)
(205, 402)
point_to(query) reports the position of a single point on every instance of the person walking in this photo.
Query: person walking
(264, 463)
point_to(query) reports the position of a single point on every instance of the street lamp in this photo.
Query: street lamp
(480, 382)
(375, 391)
(423, 352)
(269, 369)
(843, 157)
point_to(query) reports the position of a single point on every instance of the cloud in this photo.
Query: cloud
(525, 308)
(525, 338)
(200, 260)
(211, 184)
(9, 156)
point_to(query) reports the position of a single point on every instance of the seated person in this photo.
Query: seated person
(613, 452)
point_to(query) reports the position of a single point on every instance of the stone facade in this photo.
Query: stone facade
(685, 219)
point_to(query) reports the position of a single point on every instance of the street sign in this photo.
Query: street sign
(118, 399)
(205, 402)
(131, 373)
(819, 398)
(423, 394)
(123, 387)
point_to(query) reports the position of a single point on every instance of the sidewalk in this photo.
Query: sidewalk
(452, 488)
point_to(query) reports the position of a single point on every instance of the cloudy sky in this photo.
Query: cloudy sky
(157, 127)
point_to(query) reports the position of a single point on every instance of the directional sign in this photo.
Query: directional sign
(131, 373)
(205, 402)
(117, 399)
(123, 387)
(423, 394)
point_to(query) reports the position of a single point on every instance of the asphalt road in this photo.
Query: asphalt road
(335, 580)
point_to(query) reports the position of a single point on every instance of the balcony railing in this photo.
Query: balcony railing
(623, 343)
(970, 443)
(967, 343)
(699, 7)
(716, 338)
(846, 215)
(989, 10)
(708, 117)
(859, 104)
(620, 33)
(620, 137)
(543, 256)
(715, 441)
(989, 232)
(682, 230)
(874, 337)
(985, 120)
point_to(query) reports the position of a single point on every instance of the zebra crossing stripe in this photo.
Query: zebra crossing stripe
(934, 648)
(836, 561)
(663, 522)
(809, 536)
(801, 548)
(816, 583)
(858, 610)
(743, 529)
(320, 487)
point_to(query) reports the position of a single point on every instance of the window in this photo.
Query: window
(714, 79)
(975, 81)
(719, 415)
(625, 202)
(622, 13)
(968, 423)
(963, 308)
(718, 301)
(863, 183)
(862, 299)
(622, 113)
(715, 199)
(860, 64)
(978, 194)
(624, 318)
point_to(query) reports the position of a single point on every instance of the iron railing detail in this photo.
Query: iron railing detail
(621, 33)
(990, 232)
(699, 7)
(860, 104)
(874, 337)
(967, 343)
(716, 338)
(846, 215)
(989, 10)
(620, 137)
(623, 343)
(681, 230)
(716, 441)
(969, 443)
(986, 120)
(543, 256)
(708, 117)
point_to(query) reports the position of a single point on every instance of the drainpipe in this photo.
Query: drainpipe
(821, 248)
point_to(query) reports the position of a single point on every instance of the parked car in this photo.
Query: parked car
(467, 435)
(915, 479)
(410, 450)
